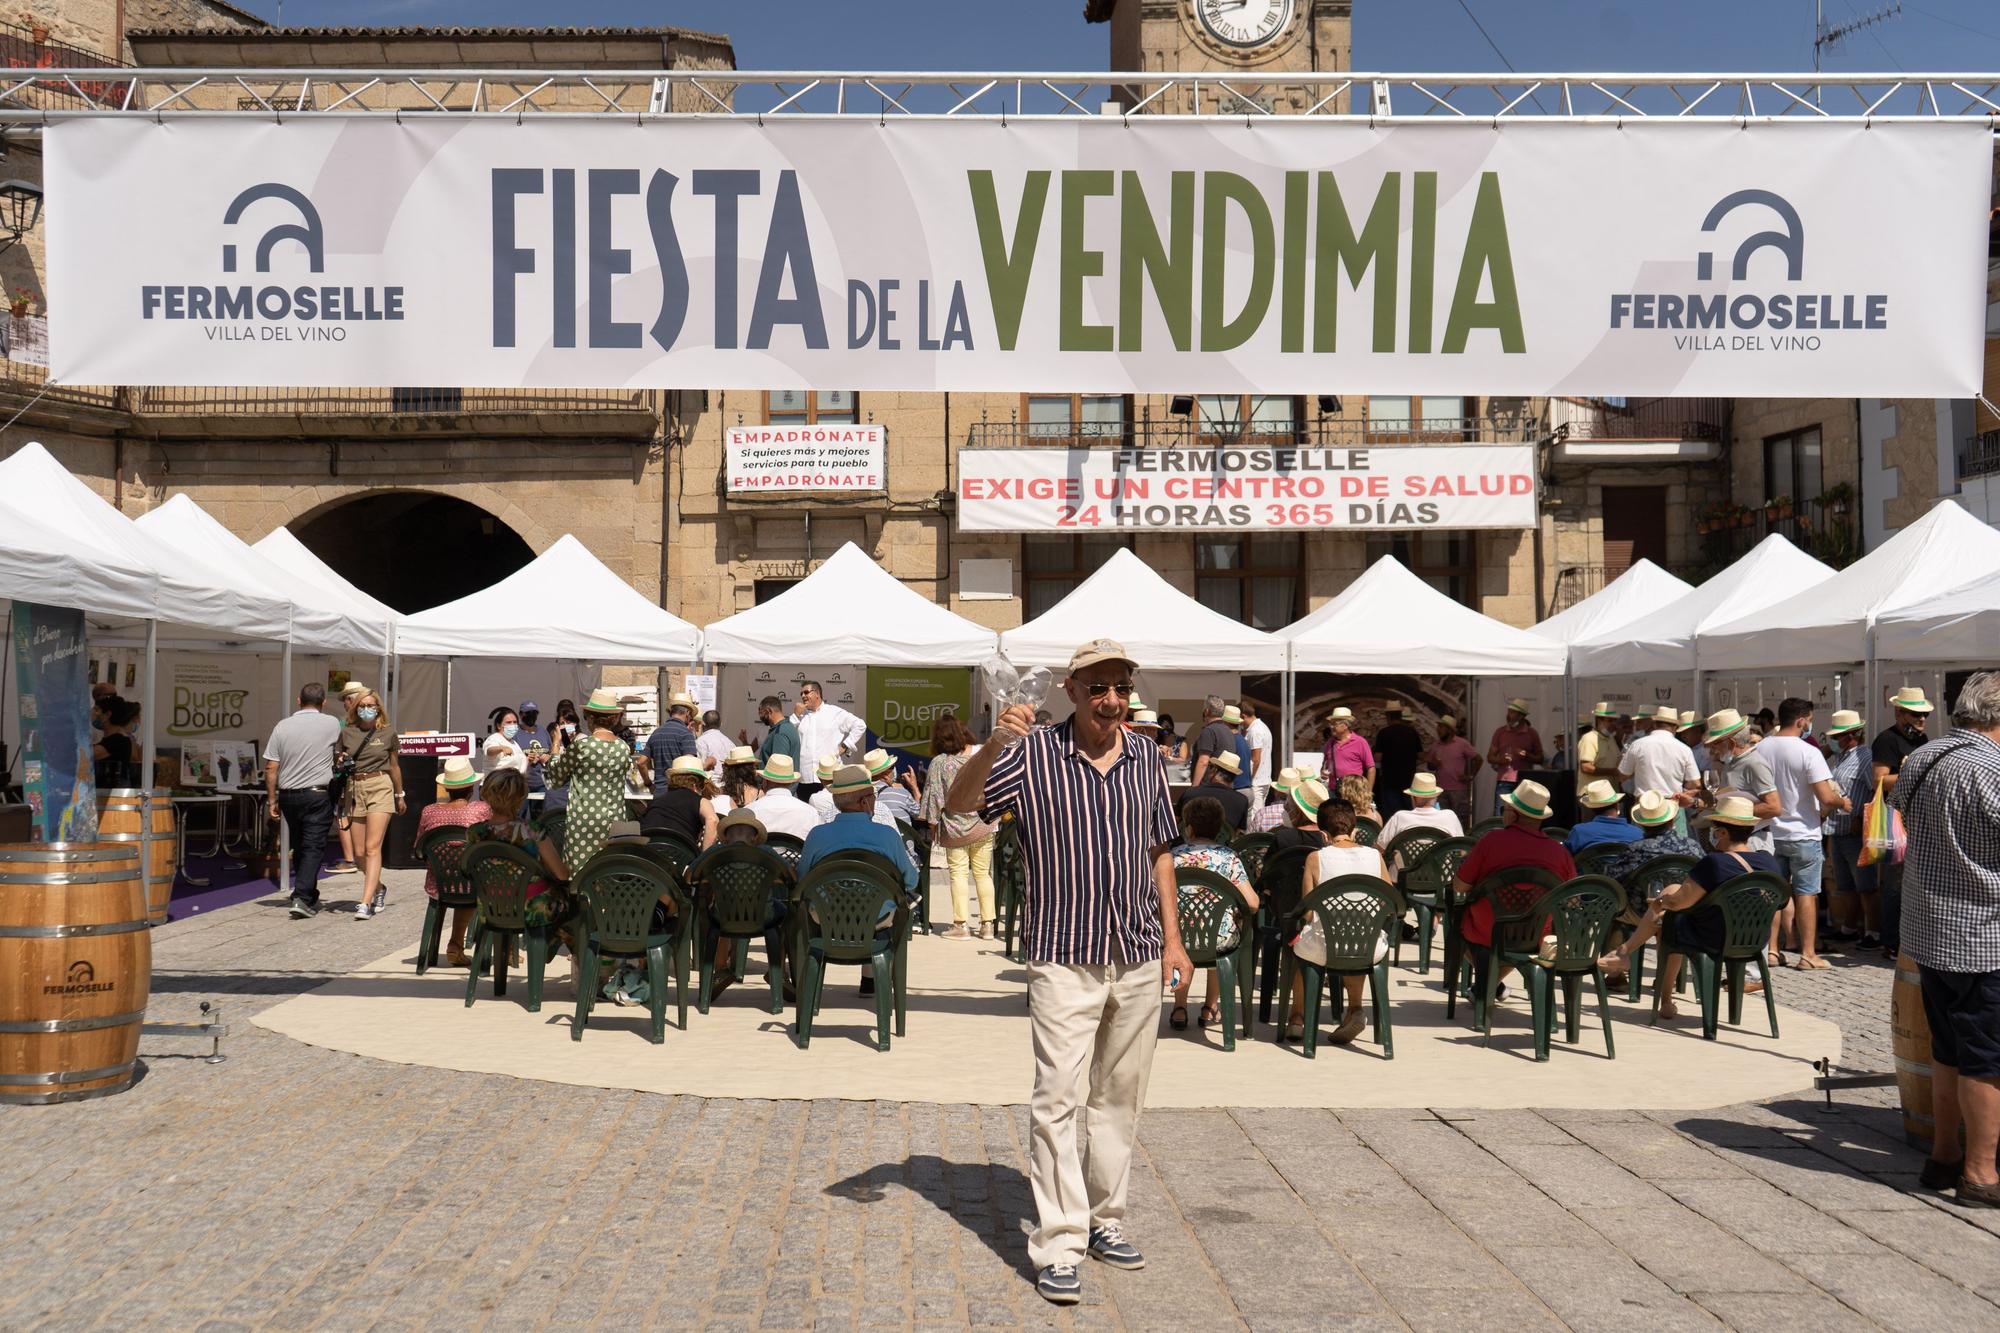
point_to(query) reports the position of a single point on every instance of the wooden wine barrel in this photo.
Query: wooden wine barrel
(119, 819)
(1912, 1032)
(76, 966)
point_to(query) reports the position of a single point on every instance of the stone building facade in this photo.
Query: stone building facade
(637, 475)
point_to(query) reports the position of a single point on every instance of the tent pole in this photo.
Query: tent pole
(1290, 704)
(146, 764)
(1873, 675)
(284, 829)
(393, 665)
(446, 724)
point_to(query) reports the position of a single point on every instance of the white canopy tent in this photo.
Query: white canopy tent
(850, 610)
(1389, 621)
(317, 620)
(301, 567)
(1835, 623)
(61, 566)
(1669, 637)
(1641, 590)
(1962, 625)
(1162, 627)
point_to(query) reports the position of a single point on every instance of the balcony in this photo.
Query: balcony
(1979, 456)
(1187, 432)
(1823, 528)
(206, 412)
(1574, 583)
(30, 48)
(1639, 430)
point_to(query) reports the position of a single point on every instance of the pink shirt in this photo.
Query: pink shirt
(1509, 739)
(1350, 758)
(1452, 762)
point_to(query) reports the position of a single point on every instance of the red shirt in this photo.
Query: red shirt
(1513, 845)
(1507, 740)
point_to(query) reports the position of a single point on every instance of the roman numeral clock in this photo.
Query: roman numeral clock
(1245, 32)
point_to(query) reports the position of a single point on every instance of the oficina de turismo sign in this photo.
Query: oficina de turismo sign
(1286, 256)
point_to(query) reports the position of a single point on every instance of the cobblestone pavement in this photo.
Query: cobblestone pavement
(298, 1188)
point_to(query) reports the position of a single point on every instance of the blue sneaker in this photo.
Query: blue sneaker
(1108, 1245)
(1059, 1284)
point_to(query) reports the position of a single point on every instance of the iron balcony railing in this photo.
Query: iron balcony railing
(51, 86)
(1179, 432)
(1980, 456)
(1640, 418)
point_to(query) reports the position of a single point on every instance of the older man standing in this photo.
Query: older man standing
(1889, 750)
(1657, 761)
(1454, 763)
(1399, 748)
(672, 739)
(1346, 754)
(1515, 747)
(1949, 796)
(826, 729)
(1217, 736)
(1597, 752)
(1095, 826)
(1741, 771)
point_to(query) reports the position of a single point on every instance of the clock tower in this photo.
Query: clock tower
(1228, 36)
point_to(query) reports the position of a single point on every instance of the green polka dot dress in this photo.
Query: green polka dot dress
(595, 771)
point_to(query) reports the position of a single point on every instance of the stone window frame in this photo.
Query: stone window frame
(1457, 579)
(1076, 437)
(812, 413)
(1795, 484)
(1043, 585)
(1413, 431)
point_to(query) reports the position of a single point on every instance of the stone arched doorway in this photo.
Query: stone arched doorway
(413, 549)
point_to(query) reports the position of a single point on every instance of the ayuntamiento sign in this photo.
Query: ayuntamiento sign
(1247, 488)
(1284, 256)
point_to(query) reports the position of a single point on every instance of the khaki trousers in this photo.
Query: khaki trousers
(972, 868)
(1094, 1033)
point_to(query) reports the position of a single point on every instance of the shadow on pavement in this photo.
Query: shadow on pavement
(989, 1200)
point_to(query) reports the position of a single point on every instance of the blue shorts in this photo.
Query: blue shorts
(1849, 875)
(1804, 860)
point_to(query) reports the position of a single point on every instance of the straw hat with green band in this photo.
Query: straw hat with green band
(1723, 725)
(1287, 779)
(1599, 795)
(1736, 810)
(457, 772)
(604, 701)
(1650, 808)
(1309, 796)
(1604, 709)
(850, 779)
(780, 770)
(1910, 699)
(1530, 799)
(1844, 721)
(1424, 784)
(878, 762)
(829, 764)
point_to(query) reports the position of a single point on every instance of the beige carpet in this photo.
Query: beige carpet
(968, 1043)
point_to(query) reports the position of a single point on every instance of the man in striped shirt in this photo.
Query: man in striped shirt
(1102, 933)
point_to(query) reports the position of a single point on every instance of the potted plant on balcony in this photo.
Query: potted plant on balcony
(1778, 507)
(18, 300)
(1835, 498)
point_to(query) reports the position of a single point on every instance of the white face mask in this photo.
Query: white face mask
(510, 731)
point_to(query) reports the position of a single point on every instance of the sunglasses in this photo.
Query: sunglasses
(1099, 690)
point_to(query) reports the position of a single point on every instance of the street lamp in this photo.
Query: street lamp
(20, 210)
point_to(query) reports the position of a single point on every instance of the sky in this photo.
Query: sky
(1936, 36)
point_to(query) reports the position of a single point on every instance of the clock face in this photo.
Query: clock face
(1243, 24)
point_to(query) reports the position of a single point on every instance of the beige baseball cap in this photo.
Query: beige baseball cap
(1099, 650)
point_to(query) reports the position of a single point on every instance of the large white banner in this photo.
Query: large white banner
(1273, 256)
(1247, 488)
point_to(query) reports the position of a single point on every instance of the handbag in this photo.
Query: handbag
(343, 769)
(1882, 836)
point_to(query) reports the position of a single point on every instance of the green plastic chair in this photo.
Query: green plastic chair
(500, 875)
(733, 889)
(1404, 850)
(1251, 849)
(1354, 912)
(678, 851)
(1366, 831)
(1425, 884)
(1512, 890)
(1278, 899)
(443, 850)
(786, 848)
(1483, 827)
(1580, 914)
(1556, 833)
(1747, 903)
(1592, 860)
(890, 871)
(1641, 886)
(1206, 901)
(554, 825)
(1010, 884)
(841, 900)
(618, 891)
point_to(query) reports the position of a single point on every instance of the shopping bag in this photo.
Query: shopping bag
(1881, 833)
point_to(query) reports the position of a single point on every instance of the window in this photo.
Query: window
(1224, 416)
(426, 400)
(800, 406)
(1432, 417)
(1253, 579)
(1081, 418)
(1053, 566)
(767, 589)
(1792, 466)
(1445, 560)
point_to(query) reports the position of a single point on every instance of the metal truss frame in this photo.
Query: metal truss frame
(33, 97)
